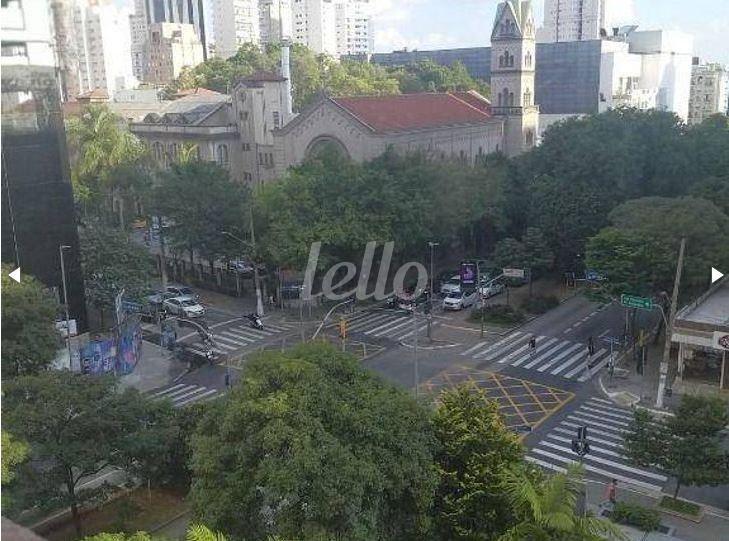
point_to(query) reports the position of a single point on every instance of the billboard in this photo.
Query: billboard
(469, 273)
(98, 357)
(129, 349)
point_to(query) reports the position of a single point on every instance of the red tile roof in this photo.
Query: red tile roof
(409, 112)
(95, 94)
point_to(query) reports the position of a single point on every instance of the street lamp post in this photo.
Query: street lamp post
(61, 248)
(259, 299)
(432, 246)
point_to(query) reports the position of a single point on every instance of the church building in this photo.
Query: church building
(254, 133)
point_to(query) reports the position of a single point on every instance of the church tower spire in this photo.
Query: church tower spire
(513, 62)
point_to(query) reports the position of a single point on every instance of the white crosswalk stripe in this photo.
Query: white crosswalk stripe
(392, 324)
(553, 355)
(183, 394)
(237, 336)
(606, 424)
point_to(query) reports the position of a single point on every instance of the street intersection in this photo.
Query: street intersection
(544, 393)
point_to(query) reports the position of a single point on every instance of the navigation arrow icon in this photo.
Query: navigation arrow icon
(715, 275)
(15, 275)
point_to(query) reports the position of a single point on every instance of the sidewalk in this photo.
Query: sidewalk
(156, 368)
(714, 525)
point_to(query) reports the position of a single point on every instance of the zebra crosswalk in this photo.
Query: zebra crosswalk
(552, 355)
(606, 423)
(236, 337)
(392, 324)
(184, 394)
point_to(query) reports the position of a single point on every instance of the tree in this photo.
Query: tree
(714, 189)
(76, 426)
(29, 337)
(102, 152)
(112, 262)
(641, 247)
(428, 76)
(509, 253)
(201, 201)
(300, 449)
(195, 532)
(475, 451)
(14, 452)
(687, 446)
(546, 509)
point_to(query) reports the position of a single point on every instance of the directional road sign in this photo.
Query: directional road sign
(631, 301)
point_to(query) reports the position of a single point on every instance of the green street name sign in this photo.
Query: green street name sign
(636, 302)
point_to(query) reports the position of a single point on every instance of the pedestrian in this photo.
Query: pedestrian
(533, 345)
(590, 346)
(227, 380)
(612, 491)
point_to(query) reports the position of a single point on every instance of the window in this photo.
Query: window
(276, 120)
(246, 146)
(14, 49)
(527, 97)
(158, 152)
(173, 152)
(222, 155)
(511, 99)
(247, 177)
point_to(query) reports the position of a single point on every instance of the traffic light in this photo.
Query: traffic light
(343, 324)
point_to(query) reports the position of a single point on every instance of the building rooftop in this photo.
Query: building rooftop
(708, 312)
(190, 110)
(410, 112)
(263, 76)
(97, 94)
(197, 91)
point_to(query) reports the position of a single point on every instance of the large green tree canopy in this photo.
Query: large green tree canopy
(314, 74)
(29, 337)
(311, 446)
(639, 251)
(406, 199)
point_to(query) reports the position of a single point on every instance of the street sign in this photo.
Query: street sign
(132, 307)
(514, 273)
(631, 301)
(721, 340)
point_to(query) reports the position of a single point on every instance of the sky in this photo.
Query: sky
(437, 24)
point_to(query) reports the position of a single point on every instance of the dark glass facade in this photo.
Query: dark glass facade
(567, 77)
(38, 212)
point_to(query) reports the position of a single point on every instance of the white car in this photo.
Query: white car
(453, 285)
(184, 306)
(459, 300)
(175, 291)
(492, 289)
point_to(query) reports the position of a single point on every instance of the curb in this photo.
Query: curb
(428, 348)
(169, 521)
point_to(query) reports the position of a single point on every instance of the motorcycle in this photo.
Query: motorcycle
(255, 321)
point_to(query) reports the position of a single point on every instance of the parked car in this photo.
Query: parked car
(181, 291)
(453, 285)
(183, 306)
(458, 300)
(242, 266)
(413, 302)
(492, 289)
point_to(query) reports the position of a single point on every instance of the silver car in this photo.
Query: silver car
(492, 290)
(460, 300)
(184, 307)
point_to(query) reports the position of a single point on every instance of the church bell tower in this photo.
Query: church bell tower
(513, 56)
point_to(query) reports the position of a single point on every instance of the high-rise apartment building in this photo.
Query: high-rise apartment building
(139, 33)
(176, 11)
(579, 20)
(93, 45)
(315, 25)
(38, 216)
(235, 23)
(709, 91)
(275, 20)
(354, 27)
(172, 47)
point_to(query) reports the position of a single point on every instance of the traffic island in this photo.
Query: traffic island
(681, 508)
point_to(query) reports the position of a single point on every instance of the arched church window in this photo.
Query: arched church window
(527, 97)
(530, 138)
(511, 99)
(222, 155)
(158, 151)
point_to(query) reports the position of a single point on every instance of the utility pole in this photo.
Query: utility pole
(415, 352)
(432, 246)
(259, 299)
(663, 385)
(61, 248)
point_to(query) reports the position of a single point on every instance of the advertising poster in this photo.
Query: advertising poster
(130, 349)
(98, 357)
